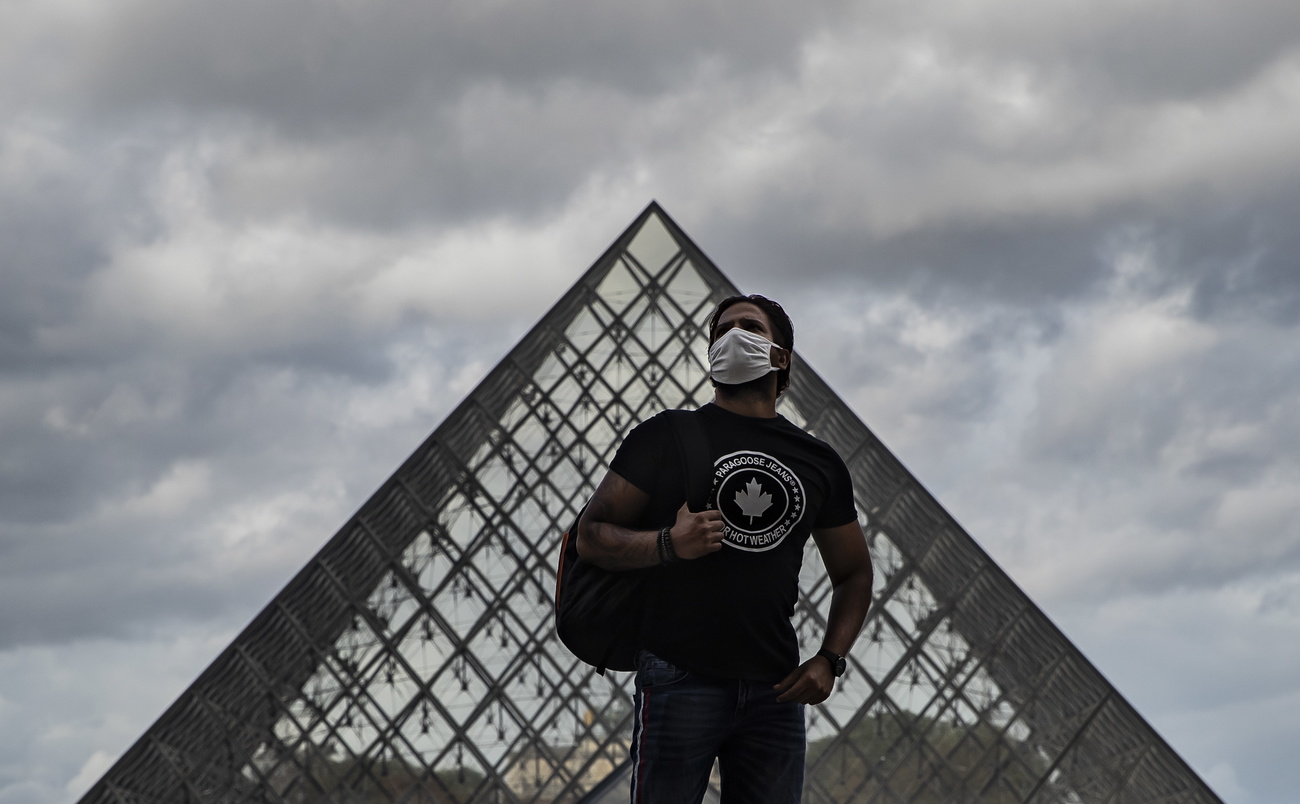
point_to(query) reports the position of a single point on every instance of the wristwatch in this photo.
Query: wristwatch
(838, 663)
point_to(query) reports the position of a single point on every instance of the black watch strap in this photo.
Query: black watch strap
(838, 663)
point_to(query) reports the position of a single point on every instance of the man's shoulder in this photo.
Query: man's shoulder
(662, 419)
(652, 432)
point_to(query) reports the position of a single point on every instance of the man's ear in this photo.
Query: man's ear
(780, 357)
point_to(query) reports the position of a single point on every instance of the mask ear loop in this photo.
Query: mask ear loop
(779, 351)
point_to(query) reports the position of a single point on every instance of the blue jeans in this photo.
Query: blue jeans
(685, 720)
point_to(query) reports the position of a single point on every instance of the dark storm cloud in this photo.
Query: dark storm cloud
(153, 478)
(97, 541)
(1017, 261)
(314, 68)
(1132, 52)
(95, 433)
(51, 243)
(1247, 260)
(91, 419)
(492, 149)
(390, 114)
(1237, 252)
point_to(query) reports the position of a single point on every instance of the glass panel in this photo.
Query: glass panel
(618, 288)
(690, 291)
(653, 247)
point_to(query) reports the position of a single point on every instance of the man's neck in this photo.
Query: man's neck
(757, 403)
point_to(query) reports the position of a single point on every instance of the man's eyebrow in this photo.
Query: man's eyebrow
(740, 319)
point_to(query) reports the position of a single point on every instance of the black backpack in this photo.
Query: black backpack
(599, 613)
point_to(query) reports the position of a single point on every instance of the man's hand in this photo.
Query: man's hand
(605, 539)
(695, 535)
(809, 683)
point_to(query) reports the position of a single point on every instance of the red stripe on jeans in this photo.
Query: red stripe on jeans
(638, 773)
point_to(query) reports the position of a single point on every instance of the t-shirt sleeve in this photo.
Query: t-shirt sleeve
(838, 508)
(640, 454)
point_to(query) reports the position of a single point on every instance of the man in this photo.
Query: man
(719, 674)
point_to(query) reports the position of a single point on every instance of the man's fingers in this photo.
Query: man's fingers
(707, 513)
(802, 686)
(697, 533)
(804, 694)
(791, 684)
(801, 692)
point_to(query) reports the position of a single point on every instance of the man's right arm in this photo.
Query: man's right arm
(606, 540)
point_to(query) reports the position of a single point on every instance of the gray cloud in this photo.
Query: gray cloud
(312, 68)
(144, 490)
(1136, 52)
(1046, 252)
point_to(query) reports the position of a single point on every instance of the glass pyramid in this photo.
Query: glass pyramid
(414, 658)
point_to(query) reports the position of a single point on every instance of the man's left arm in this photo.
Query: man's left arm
(848, 564)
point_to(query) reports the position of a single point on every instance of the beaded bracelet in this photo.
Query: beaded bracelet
(667, 554)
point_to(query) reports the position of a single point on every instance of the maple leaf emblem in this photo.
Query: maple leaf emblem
(753, 501)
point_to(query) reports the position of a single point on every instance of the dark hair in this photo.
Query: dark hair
(782, 328)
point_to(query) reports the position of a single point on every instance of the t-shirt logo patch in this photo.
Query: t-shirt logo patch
(761, 500)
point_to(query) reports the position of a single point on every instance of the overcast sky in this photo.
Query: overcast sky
(252, 253)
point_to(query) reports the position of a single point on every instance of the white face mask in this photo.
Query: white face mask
(739, 356)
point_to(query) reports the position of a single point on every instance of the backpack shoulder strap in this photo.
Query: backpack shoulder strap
(693, 444)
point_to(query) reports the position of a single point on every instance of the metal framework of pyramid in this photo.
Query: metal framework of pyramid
(414, 658)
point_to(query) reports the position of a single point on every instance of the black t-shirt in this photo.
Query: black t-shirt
(728, 614)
